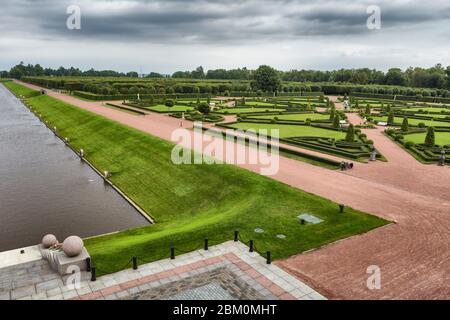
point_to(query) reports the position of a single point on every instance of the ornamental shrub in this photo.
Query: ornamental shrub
(405, 124)
(350, 137)
(430, 140)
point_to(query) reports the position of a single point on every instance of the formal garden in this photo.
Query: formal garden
(191, 202)
(422, 128)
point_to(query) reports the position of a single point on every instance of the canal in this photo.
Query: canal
(46, 188)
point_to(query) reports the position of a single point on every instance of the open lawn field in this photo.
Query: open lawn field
(190, 202)
(441, 138)
(415, 122)
(248, 110)
(295, 116)
(288, 131)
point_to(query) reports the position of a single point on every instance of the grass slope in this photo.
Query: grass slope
(19, 90)
(190, 202)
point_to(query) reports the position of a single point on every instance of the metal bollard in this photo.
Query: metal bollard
(206, 244)
(88, 264)
(135, 263)
(269, 258)
(236, 235)
(341, 208)
(251, 246)
(93, 275)
(172, 252)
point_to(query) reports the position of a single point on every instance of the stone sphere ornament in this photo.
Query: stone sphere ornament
(73, 246)
(49, 240)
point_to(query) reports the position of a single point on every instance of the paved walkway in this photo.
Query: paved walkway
(225, 272)
(413, 254)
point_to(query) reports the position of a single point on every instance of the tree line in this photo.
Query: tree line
(436, 77)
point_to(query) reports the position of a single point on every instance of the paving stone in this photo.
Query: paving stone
(39, 296)
(54, 292)
(48, 285)
(5, 296)
(22, 292)
(70, 294)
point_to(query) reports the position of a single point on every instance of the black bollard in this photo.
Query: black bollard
(88, 264)
(236, 235)
(93, 275)
(135, 263)
(341, 208)
(269, 259)
(302, 221)
(206, 244)
(251, 246)
(172, 252)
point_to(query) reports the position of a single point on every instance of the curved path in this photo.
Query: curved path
(413, 254)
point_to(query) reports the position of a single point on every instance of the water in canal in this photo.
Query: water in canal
(45, 188)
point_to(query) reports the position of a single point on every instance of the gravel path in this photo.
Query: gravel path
(413, 254)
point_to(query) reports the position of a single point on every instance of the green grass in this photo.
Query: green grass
(163, 108)
(442, 138)
(248, 110)
(190, 202)
(19, 90)
(429, 109)
(428, 123)
(288, 131)
(295, 116)
(262, 104)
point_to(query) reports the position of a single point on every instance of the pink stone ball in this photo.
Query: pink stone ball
(73, 246)
(49, 240)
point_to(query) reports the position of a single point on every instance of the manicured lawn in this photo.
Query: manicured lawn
(262, 104)
(191, 202)
(19, 90)
(247, 110)
(163, 108)
(429, 109)
(288, 131)
(428, 123)
(295, 116)
(442, 138)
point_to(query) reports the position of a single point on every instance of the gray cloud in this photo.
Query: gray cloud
(228, 25)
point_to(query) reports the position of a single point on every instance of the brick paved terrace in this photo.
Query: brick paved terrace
(225, 272)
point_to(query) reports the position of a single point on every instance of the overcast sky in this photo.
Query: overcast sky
(169, 35)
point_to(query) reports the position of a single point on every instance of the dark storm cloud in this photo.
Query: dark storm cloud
(202, 21)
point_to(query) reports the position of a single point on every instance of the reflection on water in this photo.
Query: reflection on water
(45, 188)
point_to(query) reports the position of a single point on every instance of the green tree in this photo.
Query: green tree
(204, 108)
(367, 112)
(350, 137)
(332, 113)
(169, 103)
(430, 140)
(267, 79)
(336, 121)
(390, 119)
(405, 124)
